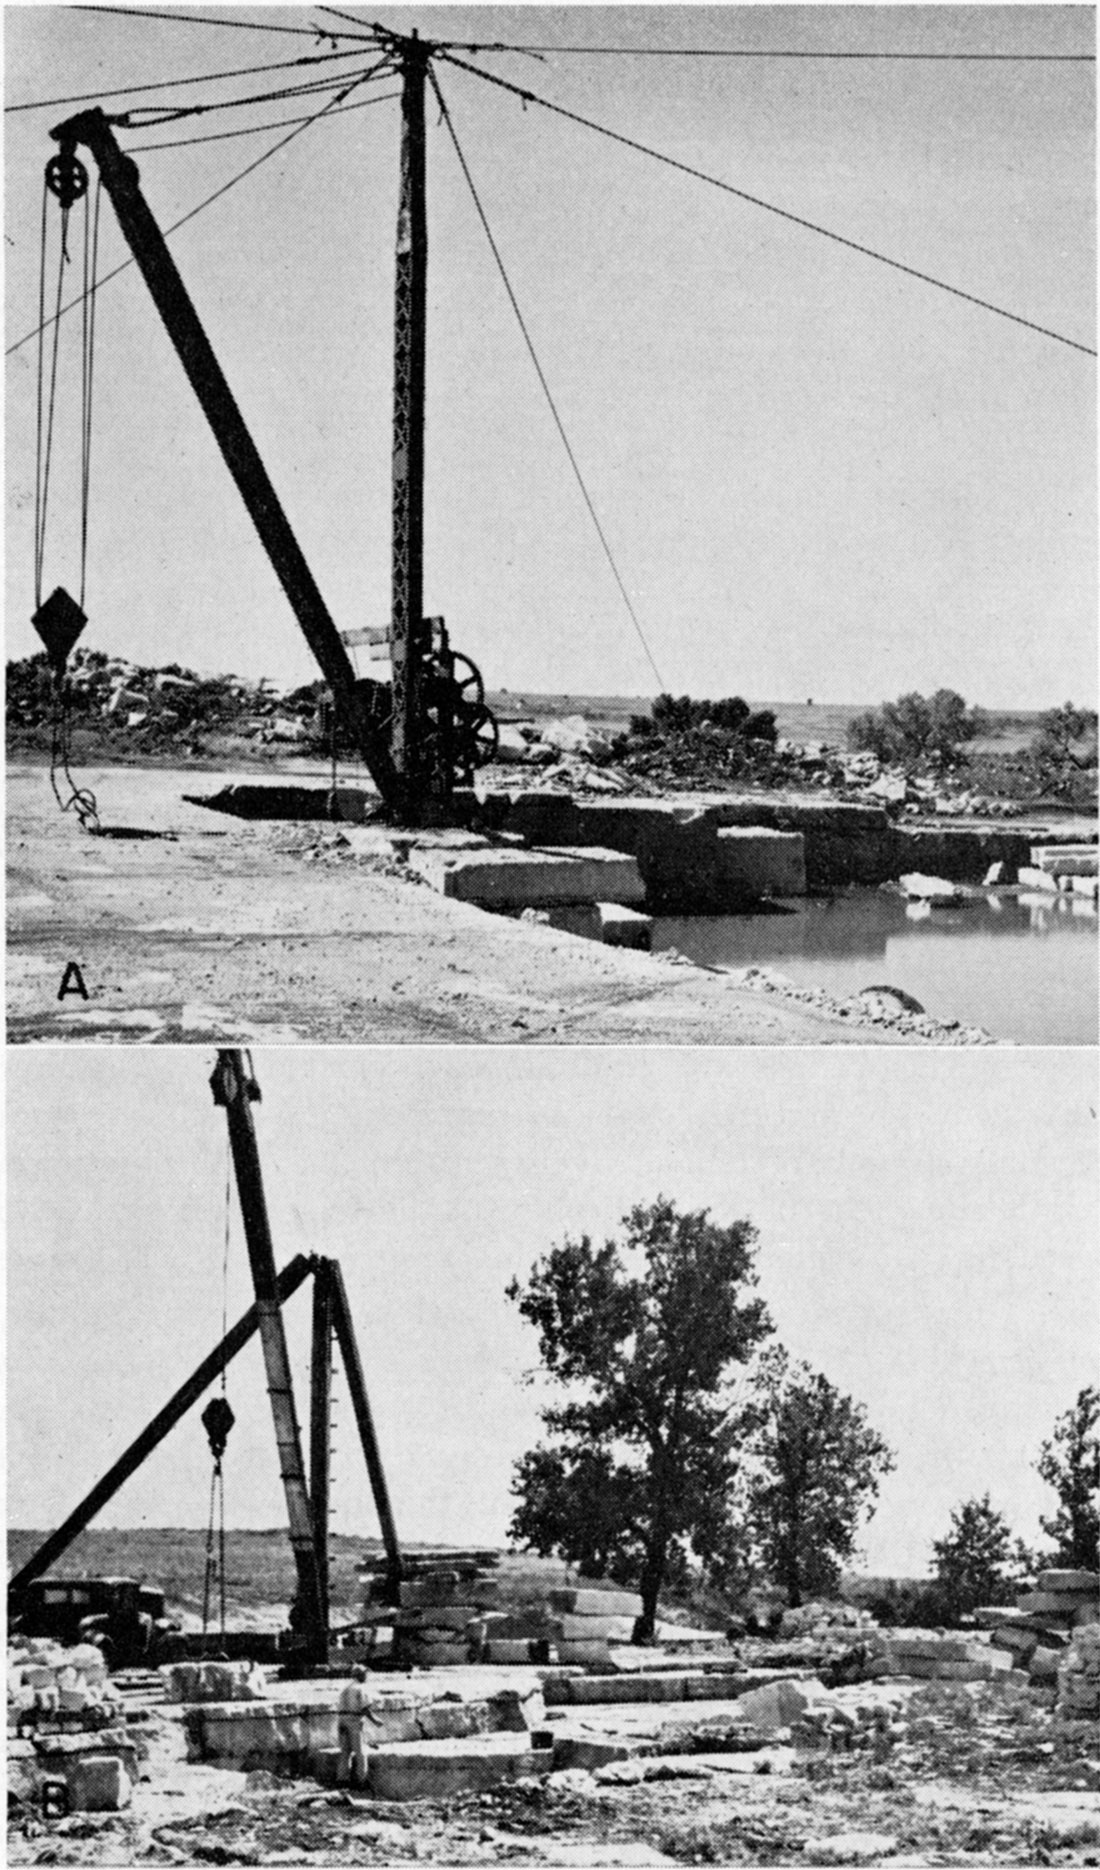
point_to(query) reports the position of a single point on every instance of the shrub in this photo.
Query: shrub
(915, 728)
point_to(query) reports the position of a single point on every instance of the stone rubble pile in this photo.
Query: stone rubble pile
(441, 1595)
(44, 1679)
(67, 1732)
(1039, 1629)
(1079, 1675)
(148, 704)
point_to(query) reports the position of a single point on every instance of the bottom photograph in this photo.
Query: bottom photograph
(552, 1457)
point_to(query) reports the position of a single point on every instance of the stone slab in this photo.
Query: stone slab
(1042, 1603)
(579, 1602)
(688, 1685)
(1065, 860)
(443, 1768)
(621, 927)
(757, 861)
(516, 879)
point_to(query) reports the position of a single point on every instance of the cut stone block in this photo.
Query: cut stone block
(685, 1685)
(591, 1629)
(503, 1649)
(98, 1782)
(779, 1704)
(755, 861)
(584, 1603)
(591, 1751)
(621, 927)
(1040, 1603)
(428, 1618)
(591, 1653)
(1065, 860)
(1043, 1665)
(438, 1769)
(1033, 879)
(511, 879)
(213, 1681)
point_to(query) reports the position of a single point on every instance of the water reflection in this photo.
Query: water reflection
(1022, 966)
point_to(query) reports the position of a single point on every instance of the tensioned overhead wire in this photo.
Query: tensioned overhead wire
(197, 19)
(175, 84)
(155, 114)
(713, 181)
(254, 129)
(446, 115)
(334, 108)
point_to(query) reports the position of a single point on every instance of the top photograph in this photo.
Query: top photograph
(551, 525)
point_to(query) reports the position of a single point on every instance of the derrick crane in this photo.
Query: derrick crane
(235, 1090)
(426, 731)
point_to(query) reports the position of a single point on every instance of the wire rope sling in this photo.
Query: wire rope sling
(60, 618)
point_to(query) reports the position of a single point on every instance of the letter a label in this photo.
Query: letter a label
(72, 981)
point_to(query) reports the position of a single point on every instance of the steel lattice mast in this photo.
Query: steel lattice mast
(410, 310)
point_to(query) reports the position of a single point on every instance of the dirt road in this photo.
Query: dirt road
(190, 926)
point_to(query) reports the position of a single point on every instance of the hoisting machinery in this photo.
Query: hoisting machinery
(423, 734)
(307, 1643)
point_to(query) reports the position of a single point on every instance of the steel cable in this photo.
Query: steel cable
(542, 379)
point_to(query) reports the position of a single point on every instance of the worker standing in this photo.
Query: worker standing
(353, 1707)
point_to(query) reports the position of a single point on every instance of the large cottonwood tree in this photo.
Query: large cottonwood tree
(646, 1335)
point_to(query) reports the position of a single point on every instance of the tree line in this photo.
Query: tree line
(687, 1448)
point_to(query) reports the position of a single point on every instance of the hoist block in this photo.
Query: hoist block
(217, 1419)
(59, 622)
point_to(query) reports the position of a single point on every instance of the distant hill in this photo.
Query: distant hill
(800, 721)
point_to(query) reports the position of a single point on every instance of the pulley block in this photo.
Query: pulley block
(217, 1419)
(66, 177)
(59, 622)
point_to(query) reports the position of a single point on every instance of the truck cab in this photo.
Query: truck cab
(123, 1618)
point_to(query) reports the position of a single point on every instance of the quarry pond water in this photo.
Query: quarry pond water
(1023, 966)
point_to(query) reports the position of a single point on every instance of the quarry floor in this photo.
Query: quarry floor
(189, 926)
(977, 1798)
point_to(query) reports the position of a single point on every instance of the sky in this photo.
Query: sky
(817, 475)
(927, 1239)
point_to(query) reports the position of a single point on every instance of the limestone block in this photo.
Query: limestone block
(434, 1769)
(24, 1772)
(1043, 1664)
(511, 879)
(755, 861)
(501, 1649)
(576, 1601)
(1065, 860)
(1087, 1581)
(516, 1710)
(590, 1652)
(589, 1629)
(1043, 1603)
(454, 1720)
(591, 1751)
(620, 927)
(213, 1681)
(422, 1653)
(98, 1782)
(779, 1704)
(429, 1618)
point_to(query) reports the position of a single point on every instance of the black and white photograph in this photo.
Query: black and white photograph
(567, 525)
(665, 1458)
(551, 1276)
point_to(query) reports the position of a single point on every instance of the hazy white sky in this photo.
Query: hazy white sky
(819, 477)
(927, 1239)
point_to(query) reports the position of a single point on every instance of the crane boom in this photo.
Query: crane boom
(121, 179)
(235, 1090)
(140, 1449)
